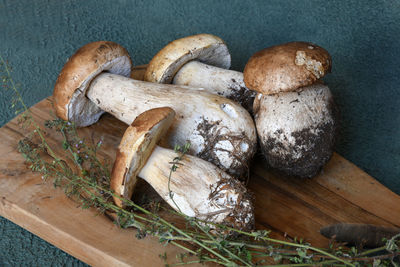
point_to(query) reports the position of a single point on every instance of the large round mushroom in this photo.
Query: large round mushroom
(196, 188)
(295, 114)
(93, 82)
(69, 95)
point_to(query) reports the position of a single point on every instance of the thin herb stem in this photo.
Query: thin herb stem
(183, 247)
(223, 248)
(375, 250)
(173, 168)
(295, 245)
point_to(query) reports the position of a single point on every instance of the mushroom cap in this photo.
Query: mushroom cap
(70, 101)
(286, 67)
(205, 48)
(136, 146)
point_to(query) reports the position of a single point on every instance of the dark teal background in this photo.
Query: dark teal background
(363, 37)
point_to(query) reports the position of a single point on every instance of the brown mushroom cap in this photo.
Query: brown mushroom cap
(205, 48)
(135, 148)
(286, 67)
(90, 60)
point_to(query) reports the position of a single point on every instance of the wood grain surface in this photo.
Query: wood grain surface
(290, 207)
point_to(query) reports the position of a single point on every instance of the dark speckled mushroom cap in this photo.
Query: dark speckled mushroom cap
(286, 67)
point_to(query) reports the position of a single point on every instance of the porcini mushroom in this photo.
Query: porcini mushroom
(196, 188)
(202, 61)
(92, 82)
(295, 115)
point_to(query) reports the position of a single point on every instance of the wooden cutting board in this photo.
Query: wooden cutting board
(295, 207)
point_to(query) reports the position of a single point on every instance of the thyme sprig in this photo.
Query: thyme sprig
(181, 150)
(85, 178)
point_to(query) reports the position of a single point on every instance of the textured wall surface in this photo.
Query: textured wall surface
(37, 37)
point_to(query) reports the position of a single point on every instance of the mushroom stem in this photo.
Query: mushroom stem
(219, 130)
(198, 188)
(297, 129)
(228, 83)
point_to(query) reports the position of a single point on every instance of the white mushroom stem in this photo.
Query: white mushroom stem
(214, 79)
(227, 83)
(218, 129)
(196, 188)
(297, 129)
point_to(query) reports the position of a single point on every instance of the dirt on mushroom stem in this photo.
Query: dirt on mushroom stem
(243, 96)
(210, 131)
(240, 216)
(312, 160)
(315, 144)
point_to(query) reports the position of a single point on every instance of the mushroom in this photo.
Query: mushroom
(196, 188)
(202, 61)
(295, 114)
(92, 82)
